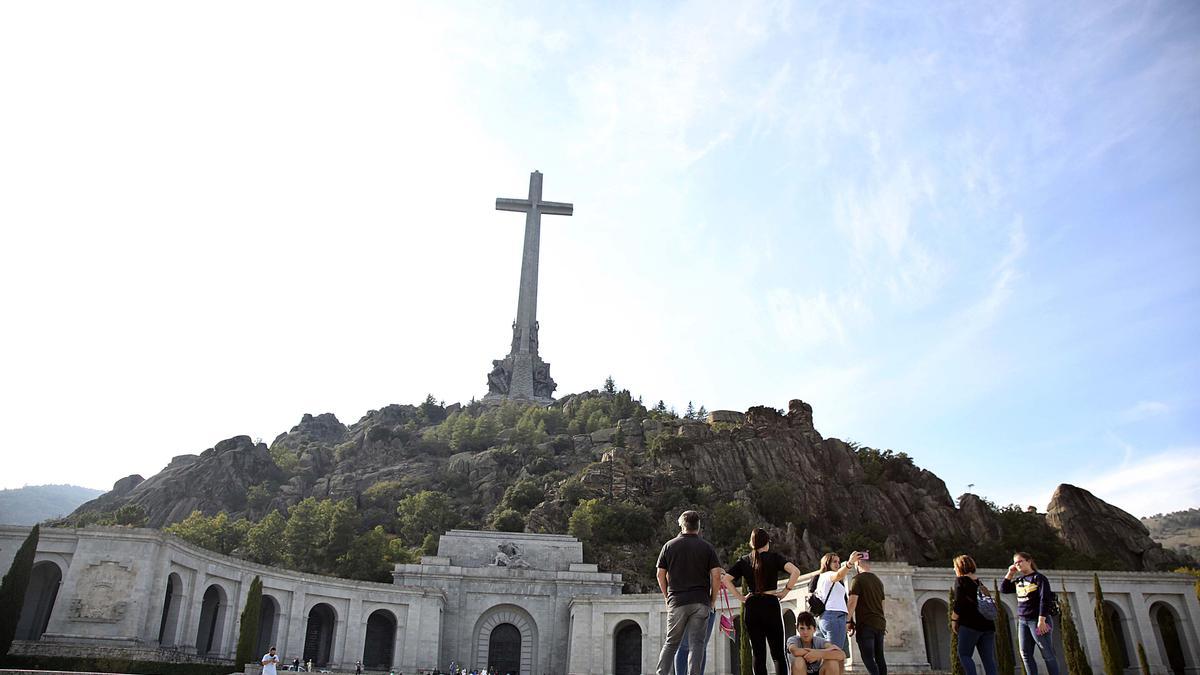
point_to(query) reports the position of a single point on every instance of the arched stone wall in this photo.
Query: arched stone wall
(628, 647)
(268, 621)
(935, 625)
(168, 626)
(523, 622)
(214, 607)
(379, 640)
(40, 596)
(320, 633)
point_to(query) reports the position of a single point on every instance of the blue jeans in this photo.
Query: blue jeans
(985, 640)
(831, 625)
(870, 649)
(1027, 637)
(681, 656)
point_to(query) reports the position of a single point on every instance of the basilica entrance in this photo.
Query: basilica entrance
(504, 649)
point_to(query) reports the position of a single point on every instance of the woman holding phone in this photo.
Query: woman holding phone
(1034, 603)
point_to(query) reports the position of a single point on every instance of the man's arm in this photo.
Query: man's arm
(662, 582)
(831, 653)
(851, 604)
(714, 583)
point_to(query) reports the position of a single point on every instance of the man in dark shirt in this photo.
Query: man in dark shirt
(689, 575)
(867, 618)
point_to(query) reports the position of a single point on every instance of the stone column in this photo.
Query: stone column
(191, 628)
(296, 634)
(356, 629)
(1083, 601)
(1149, 636)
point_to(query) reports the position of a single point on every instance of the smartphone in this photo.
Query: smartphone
(866, 555)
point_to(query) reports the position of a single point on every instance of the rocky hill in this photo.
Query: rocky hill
(1178, 531)
(603, 467)
(35, 503)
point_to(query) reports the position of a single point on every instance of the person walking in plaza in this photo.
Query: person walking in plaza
(867, 621)
(689, 575)
(269, 662)
(1035, 601)
(760, 608)
(832, 590)
(811, 653)
(975, 631)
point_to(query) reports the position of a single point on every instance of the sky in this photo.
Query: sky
(965, 231)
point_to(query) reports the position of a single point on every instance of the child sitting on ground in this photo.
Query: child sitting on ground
(811, 653)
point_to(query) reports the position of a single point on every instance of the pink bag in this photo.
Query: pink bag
(727, 619)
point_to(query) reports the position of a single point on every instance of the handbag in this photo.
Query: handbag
(816, 606)
(987, 605)
(726, 622)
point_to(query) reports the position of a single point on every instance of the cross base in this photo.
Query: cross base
(520, 376)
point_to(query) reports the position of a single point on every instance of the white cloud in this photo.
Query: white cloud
(1143, 410)
(1160, 483)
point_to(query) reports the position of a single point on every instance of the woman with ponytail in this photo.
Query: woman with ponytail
(764, 619)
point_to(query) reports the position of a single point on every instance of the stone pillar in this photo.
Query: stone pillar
(296, 634)
(1149, 635)
(355, 638)
(191, 628)
(1083, 602)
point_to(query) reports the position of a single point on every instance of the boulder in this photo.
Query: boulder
(726, 417)
(1092, 526)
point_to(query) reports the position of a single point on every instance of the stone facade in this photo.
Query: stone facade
(523, 599)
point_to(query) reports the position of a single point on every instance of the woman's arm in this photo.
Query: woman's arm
(793, 576)
(727, 580)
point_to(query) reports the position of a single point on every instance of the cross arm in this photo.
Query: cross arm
(522, 205)
(556, 208)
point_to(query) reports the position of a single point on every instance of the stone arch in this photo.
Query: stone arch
(1116, 619)
(1170, 632)
(518, 619)
(627, 648)
(168, 627)
(380, 640)
(319, 634)
(789, 624)
(935, 624)
(213, 608)
(40, 594)
(268, 618)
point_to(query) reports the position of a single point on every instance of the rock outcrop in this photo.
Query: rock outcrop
(1091, 525)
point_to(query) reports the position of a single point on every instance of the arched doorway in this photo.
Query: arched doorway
(1166, 625)
(318, 634)
(266, 625)
(627, 649)
(504, 649)
(212, 621)
(1117, 621)
(492, 641)
(168, 627)
(40, 595)
(381, 636)
(935, 621)
(789, 624)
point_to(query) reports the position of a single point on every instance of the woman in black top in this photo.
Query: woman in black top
(974, 631)
(760, 608)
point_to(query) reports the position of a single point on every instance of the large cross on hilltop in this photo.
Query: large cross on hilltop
(523, 374)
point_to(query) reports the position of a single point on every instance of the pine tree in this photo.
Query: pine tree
(702, 413)
(956, 667)
(1005, 662)
(1145, 665)
(691, 412)
(1109, 649)
(1077, 663)
(12, 589)
(247, 644)
(610, 387)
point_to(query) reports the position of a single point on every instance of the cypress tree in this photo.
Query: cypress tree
(247, 644)
(956, 667)
(1145, 665)
(12, 589)
(745, 657)
(1109, 649)
(1005, 663)
(1077, 663)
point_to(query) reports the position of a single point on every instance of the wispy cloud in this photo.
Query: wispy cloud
(1159, 483)
(1143, 410)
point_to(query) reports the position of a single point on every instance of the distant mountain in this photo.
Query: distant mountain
(35, 503)
(1179, 531)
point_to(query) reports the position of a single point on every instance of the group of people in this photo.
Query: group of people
(690, 577)
(973, 617)
(693, 582)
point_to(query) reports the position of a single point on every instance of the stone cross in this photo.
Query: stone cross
(525, 329)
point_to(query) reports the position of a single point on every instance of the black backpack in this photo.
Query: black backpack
(816, 606)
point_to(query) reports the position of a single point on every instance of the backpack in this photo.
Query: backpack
(1055, 610)
(816, 606)
(987, 605)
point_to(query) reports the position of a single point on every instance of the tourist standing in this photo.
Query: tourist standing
(1034, 603)
(867, 621)
(269, 661)
(358, 668)
(689, 574)
(296, 665)
(831, 589)
(760, 608)
(975, 631)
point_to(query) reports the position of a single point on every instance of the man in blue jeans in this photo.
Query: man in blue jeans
(1035, 603)
(681, 656)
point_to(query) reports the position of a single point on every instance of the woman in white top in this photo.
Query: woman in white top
(831, 588)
